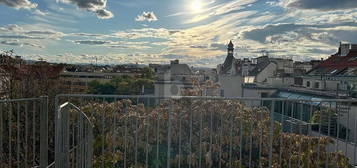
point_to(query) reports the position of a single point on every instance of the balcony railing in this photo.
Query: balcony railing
(146, 131)
(24, 132)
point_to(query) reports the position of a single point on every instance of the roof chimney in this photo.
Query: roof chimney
(345, 49)
(174, 62)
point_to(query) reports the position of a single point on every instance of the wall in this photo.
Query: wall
(281, 81)
(324, 84)
(231, 85)
(267, 72)
(256, 93)
(349, 120)
(169, 88)
(321, 85)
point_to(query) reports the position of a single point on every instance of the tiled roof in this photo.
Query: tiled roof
(337, 65)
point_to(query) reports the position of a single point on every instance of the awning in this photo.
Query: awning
(307, 99)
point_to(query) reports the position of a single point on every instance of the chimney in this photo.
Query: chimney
(174, 62)
(345, 49)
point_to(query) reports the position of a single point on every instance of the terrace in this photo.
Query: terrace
(147, 131)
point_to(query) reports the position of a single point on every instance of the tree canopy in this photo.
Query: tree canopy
(124, 85)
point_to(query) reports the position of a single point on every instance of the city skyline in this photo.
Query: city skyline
(196, 32)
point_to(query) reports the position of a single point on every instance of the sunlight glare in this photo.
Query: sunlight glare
(196, 6)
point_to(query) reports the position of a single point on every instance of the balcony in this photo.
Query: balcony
(146, 131)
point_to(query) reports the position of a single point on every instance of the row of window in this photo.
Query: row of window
(316, 84)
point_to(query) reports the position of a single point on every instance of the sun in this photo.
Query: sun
(196, 6)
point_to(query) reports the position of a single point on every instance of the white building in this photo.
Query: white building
(229, 75)
(173, 79)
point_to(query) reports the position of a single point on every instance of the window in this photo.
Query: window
(264, 95)
(308, 84)
(317, 85)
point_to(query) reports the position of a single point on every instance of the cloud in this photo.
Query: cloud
(291, 32)
(14, 31)
(20, 37)
(115, 44)
(159, 33)
(12, 43)
(45, 34)
(91, 42)
(104, 14)
(223, 9)
(40, 13)
(261, 34)
(18, 4)
(173, 56)
(146, 16)
(96, 6)
(18, 43)
(14, 27)
(320, 4)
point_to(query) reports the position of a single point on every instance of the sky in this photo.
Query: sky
(156, 31)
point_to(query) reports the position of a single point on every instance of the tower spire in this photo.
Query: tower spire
(230, 48)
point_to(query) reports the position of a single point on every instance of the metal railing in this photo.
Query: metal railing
(147, 131)
(74, 138)
(24, 132)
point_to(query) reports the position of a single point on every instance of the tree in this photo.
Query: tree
(123, 85)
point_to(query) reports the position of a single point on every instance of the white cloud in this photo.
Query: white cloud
(222, 9)
(95, 6)
(319, 4)
(39, 12)
(18, 4)
(104, 14)
(19, 43)
(146, 16)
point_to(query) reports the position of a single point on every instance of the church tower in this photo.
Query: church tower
(230, 49)
(227, 65)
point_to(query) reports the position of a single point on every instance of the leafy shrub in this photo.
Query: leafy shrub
(203, 133)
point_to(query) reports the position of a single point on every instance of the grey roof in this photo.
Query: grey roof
(259, 67)
(180, 69)
(227, 65)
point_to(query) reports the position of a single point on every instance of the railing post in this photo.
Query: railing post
(169, 136)
(44, 132)
(271, 133)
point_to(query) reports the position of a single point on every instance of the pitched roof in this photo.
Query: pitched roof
(180, 69)
(259, 67)
(337, 65)
(227, 65)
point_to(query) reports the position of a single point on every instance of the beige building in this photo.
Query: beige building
(173, 79)
(77, 82)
